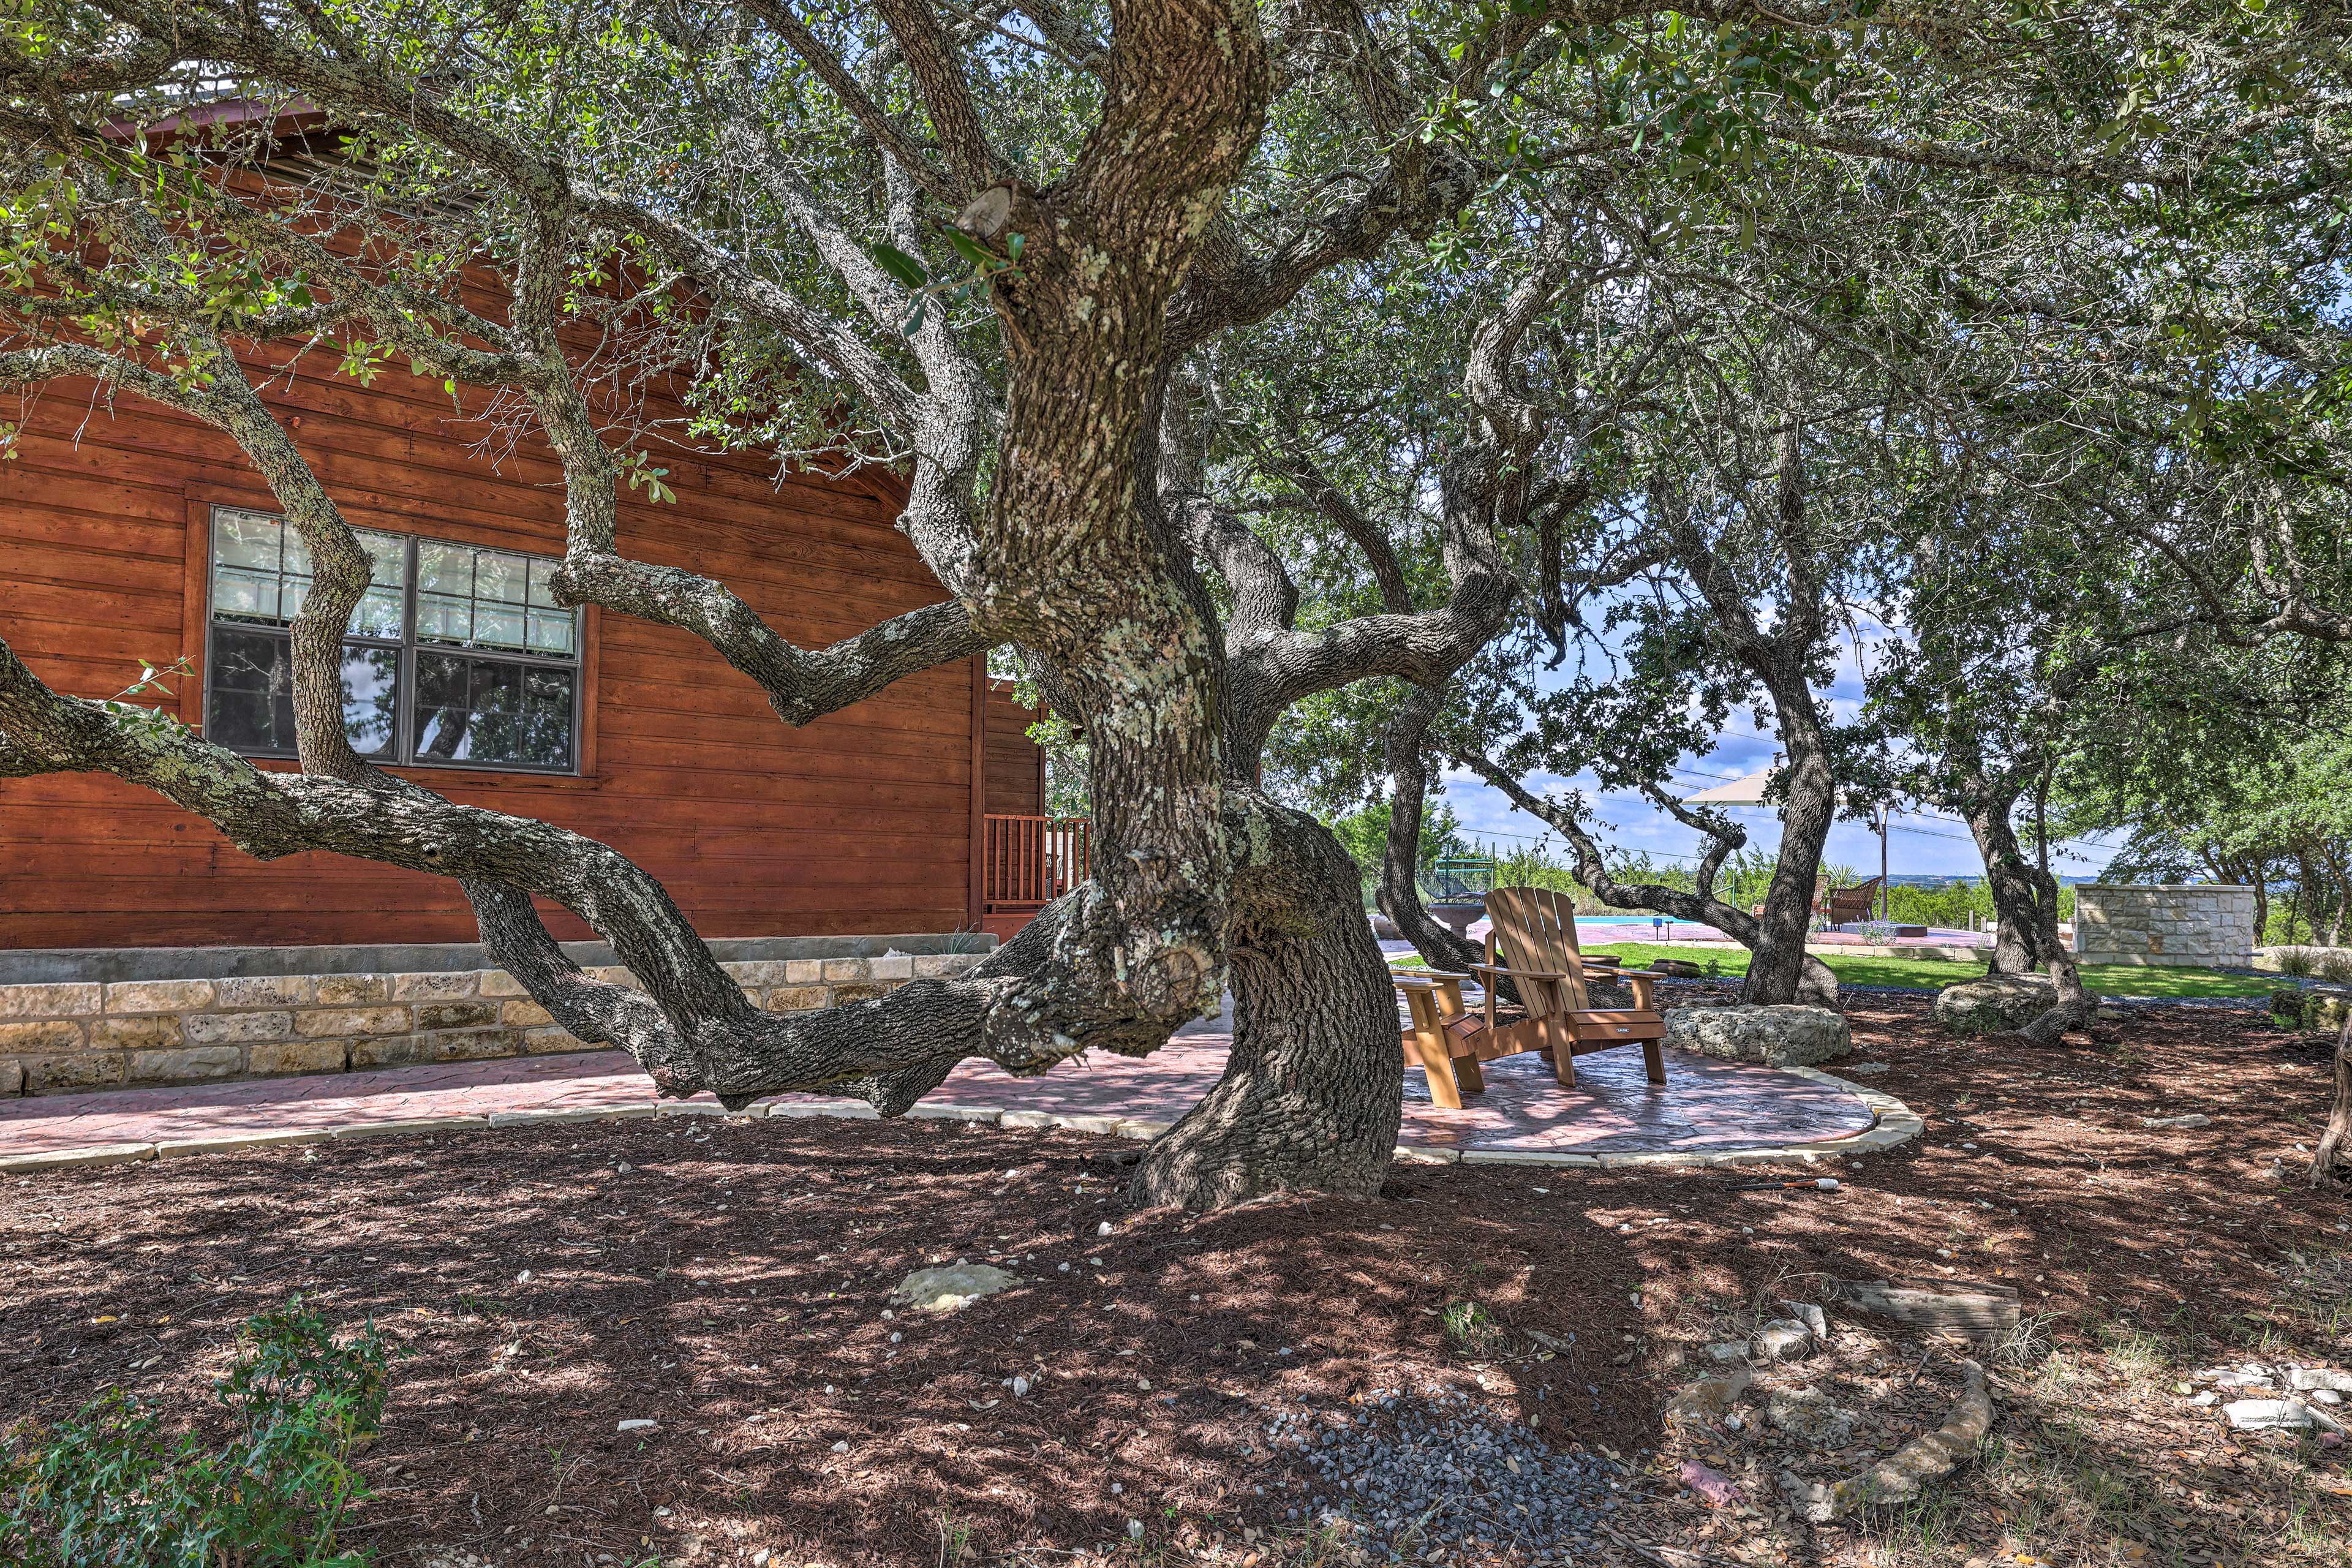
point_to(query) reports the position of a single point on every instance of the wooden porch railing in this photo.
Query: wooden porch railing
(1028, 862)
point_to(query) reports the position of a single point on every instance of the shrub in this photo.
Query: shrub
(108, 1488)
(2295, 963)
(2337, 968)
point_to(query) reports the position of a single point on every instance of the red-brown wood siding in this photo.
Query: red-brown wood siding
(1016, 766)
(859, 823)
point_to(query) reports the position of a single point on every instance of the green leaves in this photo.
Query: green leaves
(637, 467)
(988, 270)
(108, 1486)
(903, 267)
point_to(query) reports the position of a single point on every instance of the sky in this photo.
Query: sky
(1920, 843)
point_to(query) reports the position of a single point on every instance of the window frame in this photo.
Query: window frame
(205, 521)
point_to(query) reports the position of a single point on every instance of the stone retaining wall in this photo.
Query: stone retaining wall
(2203, 925)
(60, 1036)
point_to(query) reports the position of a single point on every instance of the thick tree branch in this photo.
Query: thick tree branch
(887, 134)
(1697, 905)
(1288, 456)
(947, 95)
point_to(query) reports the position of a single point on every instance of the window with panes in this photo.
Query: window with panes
(458, 656)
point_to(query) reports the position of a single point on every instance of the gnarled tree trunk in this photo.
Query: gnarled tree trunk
(1313, 1088)
(2333, 1161)
(1400, 889)
(1776, 973)
(2017, 934)
(2074, 1003)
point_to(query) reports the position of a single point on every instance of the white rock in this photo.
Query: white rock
(2325, 1396)
(1864, 1069)
(2205, 1399)
(523, 1278)
(1784, 1035)
(1103, 1229)
(635, 1426)
(1135, 1529)
(2275, 1416)
(760, 1558)
(842, 1447)
(1726, 1351)
(1783, 1340)
(1816, 1321)
(2320, 1377)
(1020, 1388)
(2192, 1119)
(958, 1285)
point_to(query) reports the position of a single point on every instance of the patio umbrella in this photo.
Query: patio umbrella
(1749, 791)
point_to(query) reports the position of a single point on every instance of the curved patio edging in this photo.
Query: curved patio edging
(1893, 1123)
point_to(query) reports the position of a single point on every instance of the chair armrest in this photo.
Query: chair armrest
(1446, 983)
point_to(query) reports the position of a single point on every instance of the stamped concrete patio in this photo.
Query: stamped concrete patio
(1706, 1111)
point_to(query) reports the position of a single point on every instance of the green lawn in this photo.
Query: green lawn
(2110, 979)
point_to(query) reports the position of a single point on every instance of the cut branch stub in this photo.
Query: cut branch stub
(987, 214)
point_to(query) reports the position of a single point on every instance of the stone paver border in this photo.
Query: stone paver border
(1895, 1122)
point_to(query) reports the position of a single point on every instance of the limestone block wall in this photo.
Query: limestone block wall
(58, 1036)
(2199, 924)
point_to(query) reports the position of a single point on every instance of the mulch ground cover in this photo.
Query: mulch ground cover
(1144, 1392)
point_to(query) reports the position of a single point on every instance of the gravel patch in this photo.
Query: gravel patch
(1418, 1475)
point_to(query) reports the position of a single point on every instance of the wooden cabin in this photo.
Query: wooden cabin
(134, 534)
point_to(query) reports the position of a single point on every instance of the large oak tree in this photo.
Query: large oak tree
(1004, 248)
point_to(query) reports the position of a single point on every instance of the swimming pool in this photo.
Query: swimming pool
(1619, 920)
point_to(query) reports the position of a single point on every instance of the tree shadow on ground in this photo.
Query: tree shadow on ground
(730, 1284)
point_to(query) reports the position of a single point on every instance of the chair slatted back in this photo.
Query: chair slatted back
(1851, 903)
(1535, 928)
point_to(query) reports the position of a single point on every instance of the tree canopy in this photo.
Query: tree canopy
(1292, 384)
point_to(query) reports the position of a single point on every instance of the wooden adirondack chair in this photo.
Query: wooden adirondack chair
(1843, 904)
(1531, 941)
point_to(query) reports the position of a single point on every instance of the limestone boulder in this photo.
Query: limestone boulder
(1811, 1416)
(1778, 1037)
(946, 1289)
(2319, 1008)
(1995, 1004)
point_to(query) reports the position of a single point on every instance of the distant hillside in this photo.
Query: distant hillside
(1927, 879)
